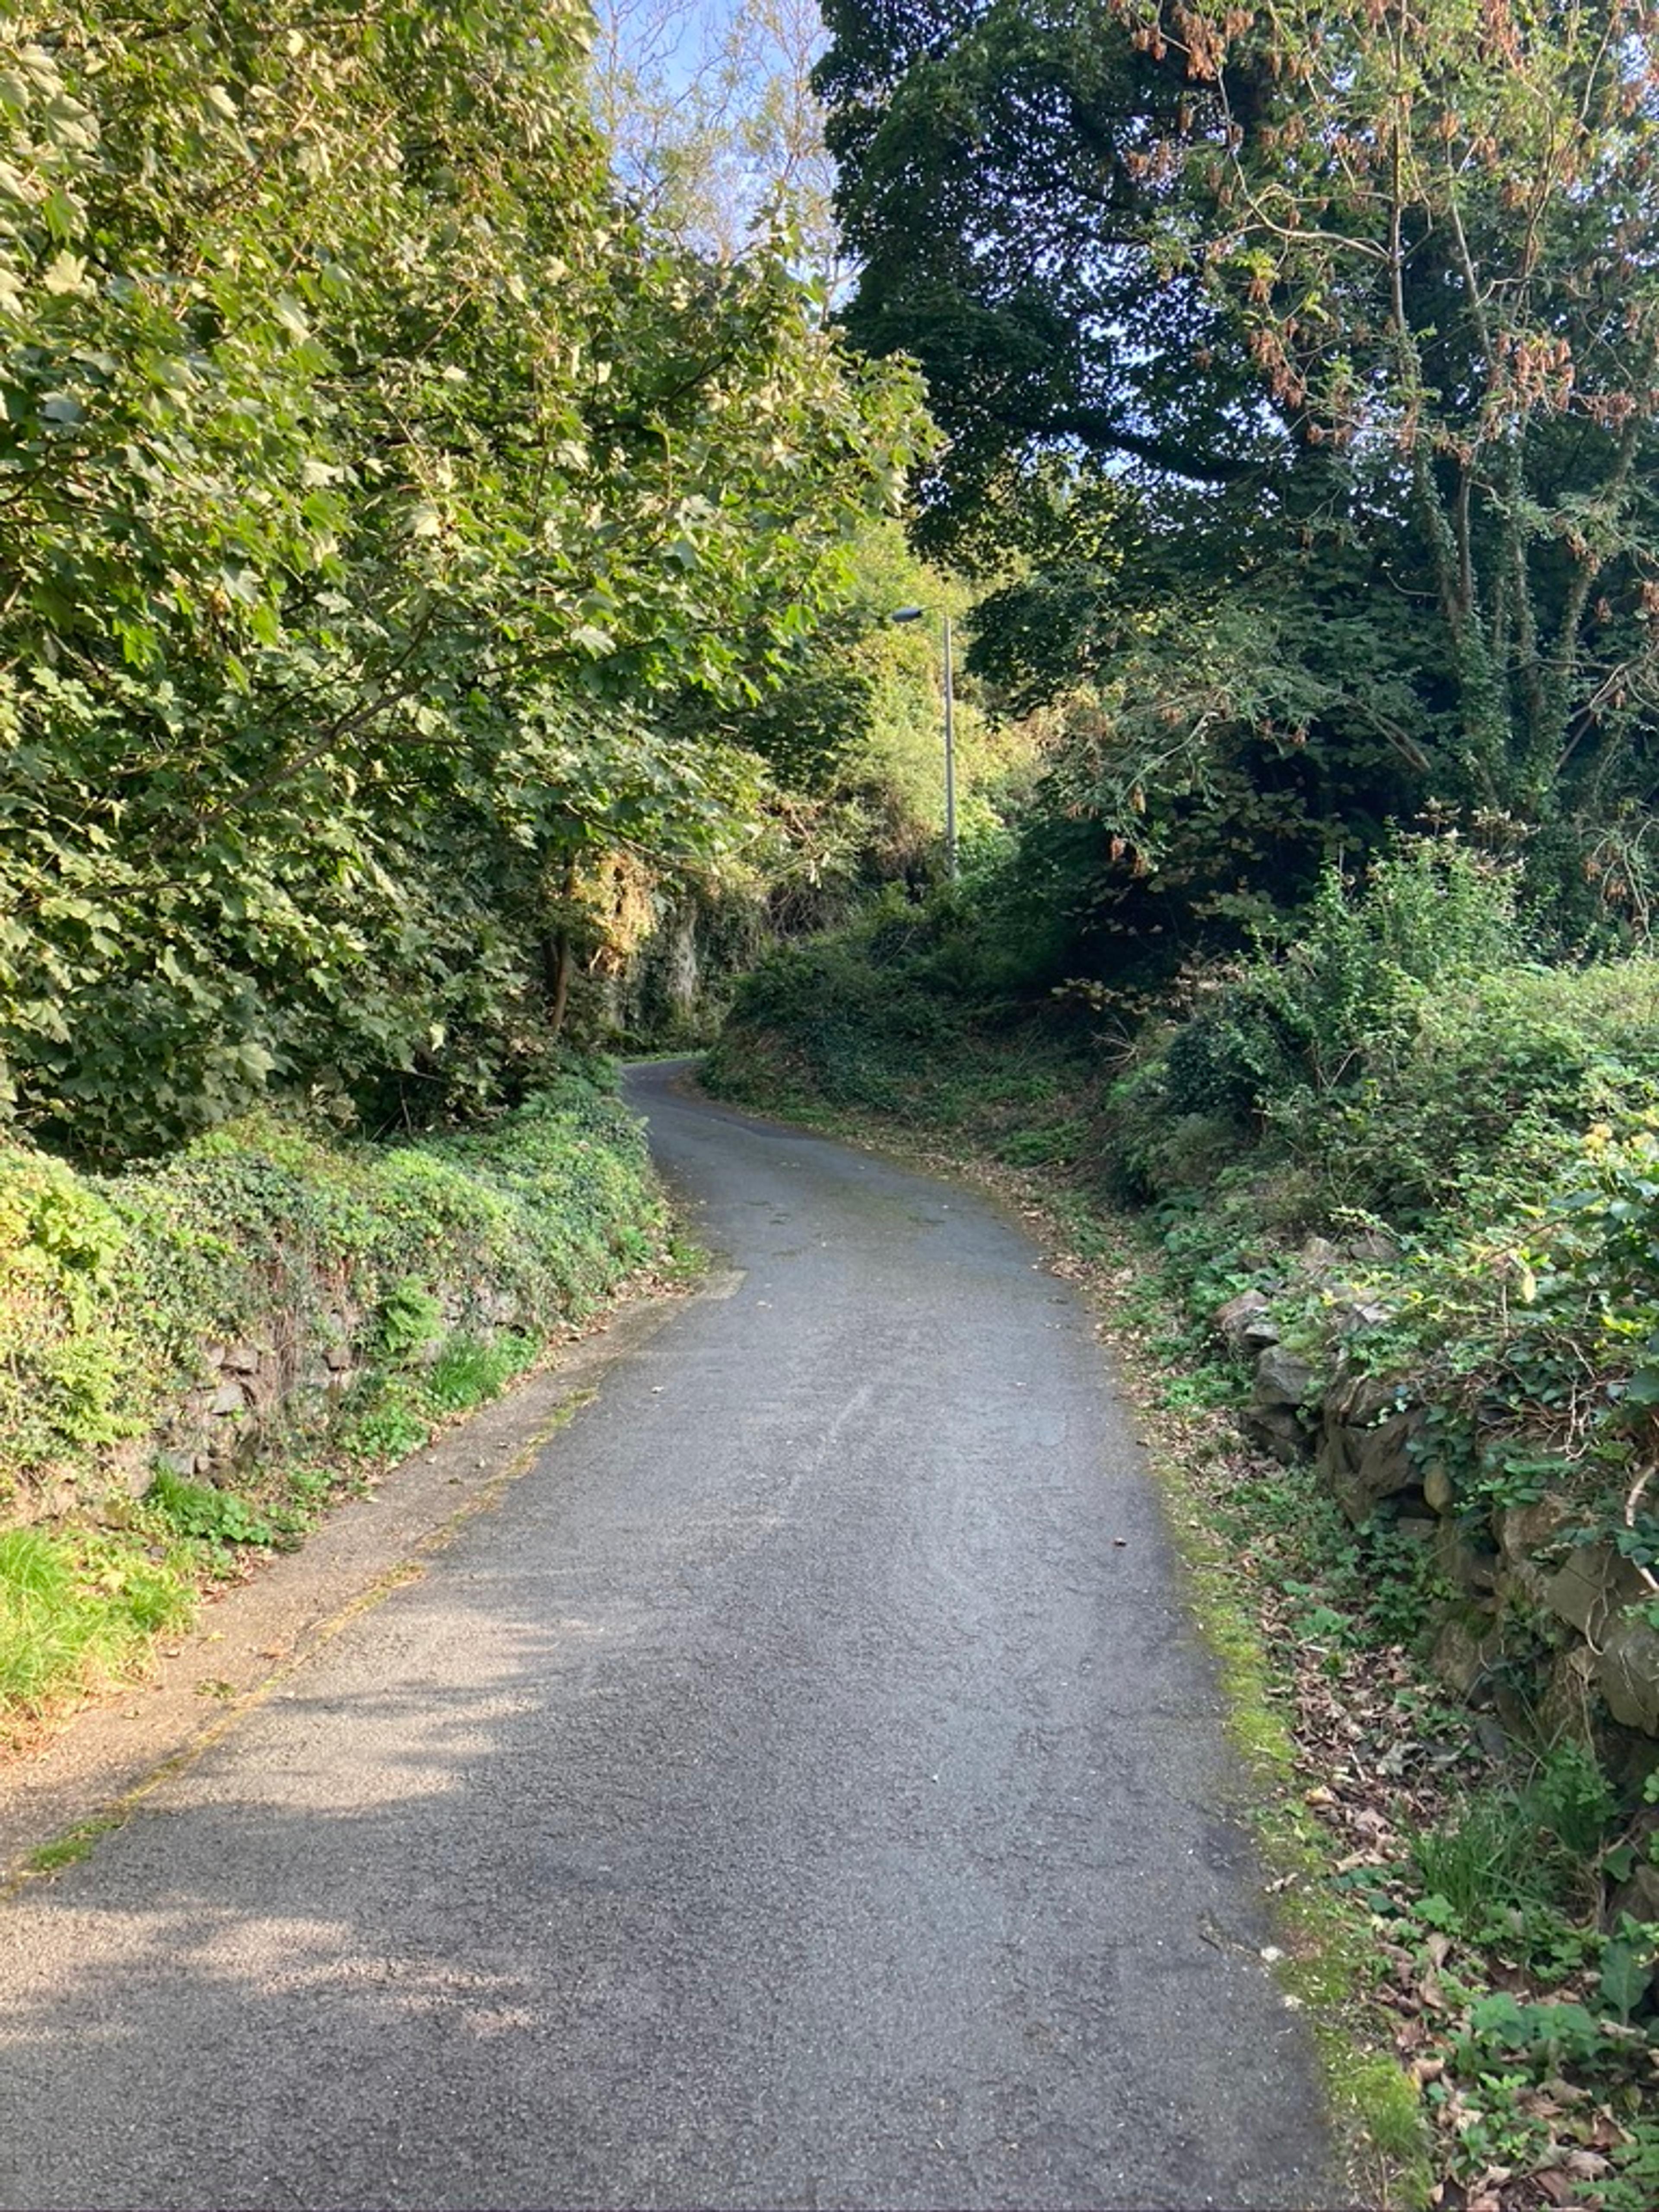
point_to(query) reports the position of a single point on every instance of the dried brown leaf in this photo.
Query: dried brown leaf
(1586, 2164)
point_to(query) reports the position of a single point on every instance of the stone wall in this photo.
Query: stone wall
(1536, 1627)
(288, 1375)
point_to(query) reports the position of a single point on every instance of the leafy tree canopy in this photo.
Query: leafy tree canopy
(391, 521)
(1328, 338)
(1003, 172)
(713, 123)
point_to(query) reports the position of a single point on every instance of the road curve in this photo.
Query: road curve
(802, 1789)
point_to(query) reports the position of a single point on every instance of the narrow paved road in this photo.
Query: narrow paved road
(801, 1790)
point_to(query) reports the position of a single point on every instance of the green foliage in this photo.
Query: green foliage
(267, 1233)
(905, 1013)
(1596, 1259)
(75, 1611)
(209, 1515)
(1513, 1864)
(389, 1422)
(388, 539)
(854, 736)
(1399, 1048)
(1294, 371)
(984, 191)
(1346, 979)
(391, 1414)
(408, 1318)
(1493, 1083)
(470, 1369)
(264, 1232)
(1432, 914)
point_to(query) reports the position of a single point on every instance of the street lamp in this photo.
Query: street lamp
(919, 614)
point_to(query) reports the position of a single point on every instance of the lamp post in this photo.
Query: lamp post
(919, 614)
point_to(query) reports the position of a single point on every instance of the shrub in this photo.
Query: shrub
(1485, 1082)
(1346, 978)
(1401, 1048)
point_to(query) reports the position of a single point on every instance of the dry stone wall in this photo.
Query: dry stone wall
(290, 1376)
(1537, 1626)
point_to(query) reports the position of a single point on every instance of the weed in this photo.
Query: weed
(70, 1618)
(410, 1318)
(1511, 1863)
(470, 1369)
(392, 1424)
(70, 1849)
(1481, 1859)
(211, 1515)
(1058, 1145)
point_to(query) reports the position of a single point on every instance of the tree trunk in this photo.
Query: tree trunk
(559, 958)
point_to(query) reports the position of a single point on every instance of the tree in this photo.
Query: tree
(1000, 183)
(714, 125)
(386, 507)
(1439, 235)
(1408, 257)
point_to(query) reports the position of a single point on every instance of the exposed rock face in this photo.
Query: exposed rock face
(1245, 1324)
(1464, 1660)
(1366, 1432)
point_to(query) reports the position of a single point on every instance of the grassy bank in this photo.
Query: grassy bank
(200, 1354)
(1467, 1135)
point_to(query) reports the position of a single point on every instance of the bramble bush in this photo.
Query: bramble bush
(1402, 1050)
(1329, 987)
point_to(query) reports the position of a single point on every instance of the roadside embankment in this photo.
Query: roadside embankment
(198, 1353)
(1411, 1178)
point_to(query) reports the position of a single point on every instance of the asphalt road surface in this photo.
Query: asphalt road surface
(803, 1790)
